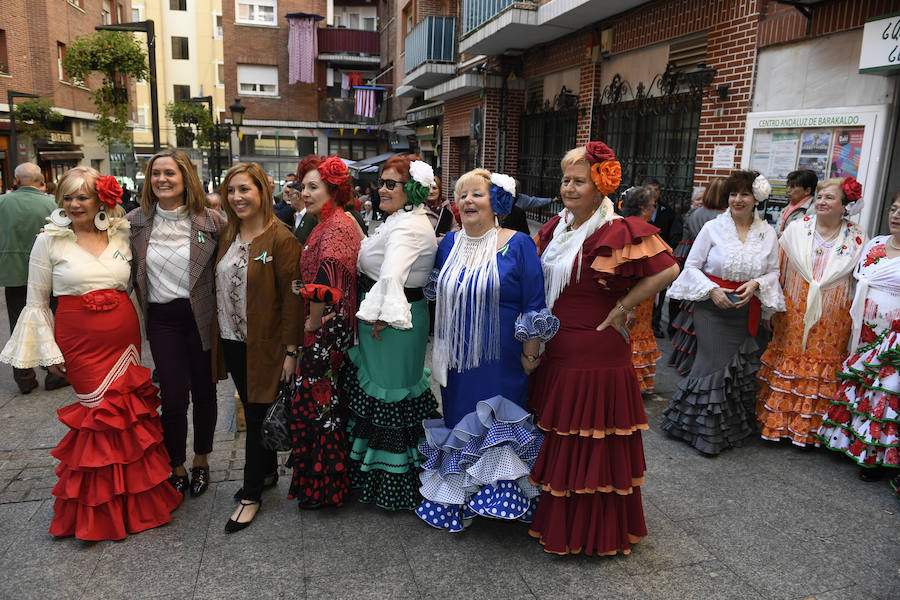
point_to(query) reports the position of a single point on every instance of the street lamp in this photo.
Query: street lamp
(148, 28)
(13, 142)
(237, 117)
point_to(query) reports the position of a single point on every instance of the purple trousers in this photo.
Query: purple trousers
(185, 374)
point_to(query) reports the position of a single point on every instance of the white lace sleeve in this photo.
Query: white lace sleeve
(32, 342)
(691, 283)
(769, 292)
(386, 301)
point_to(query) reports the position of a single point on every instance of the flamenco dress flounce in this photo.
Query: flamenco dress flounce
(864, 417)
(113, 467)
(479, 467)
(684, 339)
(644, 351)
(588, 403)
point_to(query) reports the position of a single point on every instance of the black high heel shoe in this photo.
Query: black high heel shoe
(233, 526)
(269, 481)
(199, 480)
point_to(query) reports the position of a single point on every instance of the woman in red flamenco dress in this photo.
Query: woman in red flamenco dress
(586, 396)
(113, 467)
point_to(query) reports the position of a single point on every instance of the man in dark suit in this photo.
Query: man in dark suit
(669, 224)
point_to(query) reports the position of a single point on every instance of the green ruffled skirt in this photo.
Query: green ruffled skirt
(387, 390)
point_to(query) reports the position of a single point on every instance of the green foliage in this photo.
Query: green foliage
(111, 53)
(34, 117)
(185, 114)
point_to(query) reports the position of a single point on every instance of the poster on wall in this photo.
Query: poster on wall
(783, 154)
(814, 147)
(846, 152)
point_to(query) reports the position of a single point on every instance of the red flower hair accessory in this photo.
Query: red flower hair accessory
(851, 188)
(597, 152)
(333, 170)
(109, 191)
(606, 172)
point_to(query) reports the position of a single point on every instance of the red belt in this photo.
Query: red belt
(755, 304)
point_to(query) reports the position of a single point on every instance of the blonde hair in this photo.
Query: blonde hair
(573, 157)
(478, 175)
(836, 182)
(260, 179)
(194, 196)
(79, 179)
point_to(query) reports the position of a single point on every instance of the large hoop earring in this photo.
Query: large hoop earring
(101, 220)
(59, 218)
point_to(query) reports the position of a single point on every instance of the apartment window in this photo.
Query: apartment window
(220, 74)
(136, 15)
(257, 80)
(181, 93)
(142, 118)
(217, 27)
(354, 21)
(106, 12)
(369, 23)
(180, 48)
(4, 57)
(60, 55)
(177, 4)
(78, 3)
(260, 12)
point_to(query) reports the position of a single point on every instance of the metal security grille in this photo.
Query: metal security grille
(652, 135)
(546, 132)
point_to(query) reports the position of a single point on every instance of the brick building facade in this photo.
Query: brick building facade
(666, 82)
(33, 39)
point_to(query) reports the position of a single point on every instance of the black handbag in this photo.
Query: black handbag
(275, 433)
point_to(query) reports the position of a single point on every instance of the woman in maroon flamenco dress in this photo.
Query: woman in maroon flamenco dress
(113, 467)
(586, 395)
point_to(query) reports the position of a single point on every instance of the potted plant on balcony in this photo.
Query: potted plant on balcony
(35, 117)
(114, 54)
(185, 114)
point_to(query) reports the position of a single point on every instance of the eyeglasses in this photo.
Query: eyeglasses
(390, 184)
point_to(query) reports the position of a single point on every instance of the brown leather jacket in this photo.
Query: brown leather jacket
(275, 315)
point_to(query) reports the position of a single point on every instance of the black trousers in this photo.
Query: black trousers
(258, 461)
(185, 375)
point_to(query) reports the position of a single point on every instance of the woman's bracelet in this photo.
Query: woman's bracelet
(622, 308)
(531, 357)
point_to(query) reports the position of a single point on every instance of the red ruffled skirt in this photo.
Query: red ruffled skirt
(113, 467)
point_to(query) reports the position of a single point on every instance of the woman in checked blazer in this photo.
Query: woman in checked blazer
(174, 239)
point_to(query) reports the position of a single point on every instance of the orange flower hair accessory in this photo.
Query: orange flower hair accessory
(606, 172)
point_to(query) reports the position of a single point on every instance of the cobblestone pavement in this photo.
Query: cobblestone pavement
(763, 521)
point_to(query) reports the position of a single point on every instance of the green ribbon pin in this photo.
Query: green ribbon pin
(200, 237)
(264, 257)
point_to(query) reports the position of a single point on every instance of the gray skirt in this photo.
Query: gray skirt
(713, 407)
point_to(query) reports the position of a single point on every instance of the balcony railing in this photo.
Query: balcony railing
(476, 13)
(432, 40)
(341, 110)
(334, 40)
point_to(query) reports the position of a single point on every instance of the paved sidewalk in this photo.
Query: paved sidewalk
(763, 521)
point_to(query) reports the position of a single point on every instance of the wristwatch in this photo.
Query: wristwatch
(291, 353)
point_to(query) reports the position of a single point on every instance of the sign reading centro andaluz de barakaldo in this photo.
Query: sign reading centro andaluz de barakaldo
(881, 45)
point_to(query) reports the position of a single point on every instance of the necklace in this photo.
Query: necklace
(891, 243)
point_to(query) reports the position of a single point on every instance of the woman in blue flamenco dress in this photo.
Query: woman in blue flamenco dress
(490, 321)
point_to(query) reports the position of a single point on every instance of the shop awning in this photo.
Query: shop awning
(370, 165)
(61, 155)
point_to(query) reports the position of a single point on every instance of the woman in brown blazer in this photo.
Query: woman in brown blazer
(259, 319)
(173, 244)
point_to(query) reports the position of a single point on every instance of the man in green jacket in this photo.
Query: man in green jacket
(22, 214)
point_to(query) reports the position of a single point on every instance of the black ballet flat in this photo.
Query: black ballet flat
(199, 481)
(870, 474)
(179, 482)
(269, 481)
(233, 526)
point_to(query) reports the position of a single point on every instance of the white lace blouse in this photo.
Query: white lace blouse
(718, 251)
(60, 265)
(399, 254)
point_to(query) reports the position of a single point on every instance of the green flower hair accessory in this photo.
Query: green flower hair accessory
(419, 185)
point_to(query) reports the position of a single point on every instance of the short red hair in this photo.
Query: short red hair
(341, 195)
(400, 163)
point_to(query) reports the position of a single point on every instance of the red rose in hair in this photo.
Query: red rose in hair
(851, 188)
(333, 171)
(109, 190)
(597, 152)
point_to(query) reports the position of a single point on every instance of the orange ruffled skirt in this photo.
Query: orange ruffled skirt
(644, 352)
(113, 467)
(797, 385)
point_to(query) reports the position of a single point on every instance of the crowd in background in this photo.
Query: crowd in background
(324, 298)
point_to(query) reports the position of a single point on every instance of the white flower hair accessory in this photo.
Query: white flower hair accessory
(504, 181)
(761, 188)
(422, 172)
(854, 208)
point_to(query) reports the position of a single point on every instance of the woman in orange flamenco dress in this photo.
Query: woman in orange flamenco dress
(113, 467)
(641, 202)
(798, 377)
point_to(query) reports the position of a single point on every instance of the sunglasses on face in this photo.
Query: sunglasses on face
(390, 184)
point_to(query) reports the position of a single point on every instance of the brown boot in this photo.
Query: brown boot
(239, 421)
(54, 382)
(25, 379)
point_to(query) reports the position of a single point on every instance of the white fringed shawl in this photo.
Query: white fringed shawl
(467, 321)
